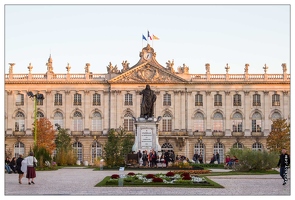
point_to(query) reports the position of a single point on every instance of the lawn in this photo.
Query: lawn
(169, 179)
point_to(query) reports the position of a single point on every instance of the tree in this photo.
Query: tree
(279, 136)
(64, 151)
(45, 135)
(118, 145)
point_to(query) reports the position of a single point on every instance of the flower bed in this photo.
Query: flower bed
(170, 178)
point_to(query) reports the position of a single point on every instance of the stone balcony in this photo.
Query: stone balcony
(257, 134)
(218, 133)
(237, 134)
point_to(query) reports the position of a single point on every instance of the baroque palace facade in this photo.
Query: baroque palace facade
(207, 112)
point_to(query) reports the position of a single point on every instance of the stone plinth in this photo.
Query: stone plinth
(146, 135)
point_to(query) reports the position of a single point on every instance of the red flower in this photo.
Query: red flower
(170, 174)
(186, 178)
(157, 179)
(185, 174)
(131, 174)
(115, 176)
(150, 176)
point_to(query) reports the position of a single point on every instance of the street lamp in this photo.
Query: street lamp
(35, 97)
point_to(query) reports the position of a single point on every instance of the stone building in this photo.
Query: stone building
(206, 112)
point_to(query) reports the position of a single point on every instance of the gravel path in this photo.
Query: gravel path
(81, 181)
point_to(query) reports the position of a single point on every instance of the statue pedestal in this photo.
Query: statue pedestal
(146, 135)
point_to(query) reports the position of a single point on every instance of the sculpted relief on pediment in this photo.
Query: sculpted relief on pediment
(147, 73)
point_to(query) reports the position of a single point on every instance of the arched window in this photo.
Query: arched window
(77, 121)
(58, 119)
(238, 145)
(39, 115)
(200, 149)
(128, 122)
(77, 146)
(96, 122)
(96, 151)
(237, 100)
(218, 122)
(274, 117)
(256, 122)
(218, 147)
(237, 122)
(19, 148)
(198, 122)
(167, 122)
(19, 125)
(257, 146)
(166, 146)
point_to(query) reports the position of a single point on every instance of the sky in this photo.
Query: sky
(194, 33)
(188, 34)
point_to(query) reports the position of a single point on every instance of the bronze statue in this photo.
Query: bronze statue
(147, 104)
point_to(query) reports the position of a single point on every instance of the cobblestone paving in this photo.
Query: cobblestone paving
(81, 181)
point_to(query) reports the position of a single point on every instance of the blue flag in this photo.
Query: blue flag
(143, 37)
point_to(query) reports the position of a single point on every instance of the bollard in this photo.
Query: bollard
(101, 164)
(121, 179)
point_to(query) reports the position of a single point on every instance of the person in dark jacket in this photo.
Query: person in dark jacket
(12, 165)
(18, 168)
(284, 163)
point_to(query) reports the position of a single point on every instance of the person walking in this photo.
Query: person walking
(31, 172)
(12, 165)
(284, 163)
(18, 168)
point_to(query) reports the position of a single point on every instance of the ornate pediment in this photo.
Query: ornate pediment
(147, 73)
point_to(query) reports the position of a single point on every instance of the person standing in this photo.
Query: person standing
(196, 157)
(201, 158)
(166, 158)
(31, 172)
(18, 168)
(284, 163)
(217, 157)
(139, 155)
(144, 158)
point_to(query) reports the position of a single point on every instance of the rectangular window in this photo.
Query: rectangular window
(256, 100)
(40, 102)
(275, 100)
(128, 100)
(58, 99)
(199, 100)
(217, 100)
(77, 100)
(19, 100)
(167, 100)
(96, 100)
(237, 100)
(167, 126)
